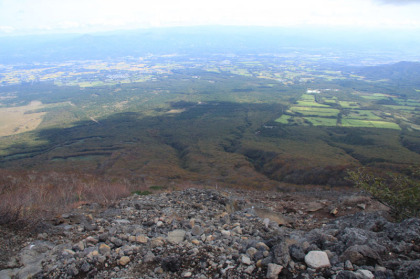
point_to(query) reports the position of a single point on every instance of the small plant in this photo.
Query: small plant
(401, 193)
(141, 193)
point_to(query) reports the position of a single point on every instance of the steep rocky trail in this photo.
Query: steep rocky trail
(198, 233)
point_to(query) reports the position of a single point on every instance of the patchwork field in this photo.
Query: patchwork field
(260, 124)
(321, 110)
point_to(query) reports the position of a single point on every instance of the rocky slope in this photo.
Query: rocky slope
(199, 233)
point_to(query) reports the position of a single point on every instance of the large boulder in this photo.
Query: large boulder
(317, 259)
(361, 255)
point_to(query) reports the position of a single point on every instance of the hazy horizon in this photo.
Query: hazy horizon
(29, 17)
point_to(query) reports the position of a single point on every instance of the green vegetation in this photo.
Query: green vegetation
(315, 111)
(141, 193)
(284, 119)
(349, 105)
(234, 121)
(399, 192)
(349, 122)
(322, 121)
(363, 114)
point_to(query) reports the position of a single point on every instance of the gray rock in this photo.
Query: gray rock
(314, 206)
(281, 254)
(408, 230)
(250, 269)
(251, 251)
(361, 255)
(247, 249)
(116, 241)
(273, 270)
(225, 233)
(172, 264)
(79, 246)
(317, 259)
(122, 221)
(346, 274)
(149, 257)
(104, 249)
(91, 240)
(237, 230)
(186, 274)
(176, 236)
(29, 271)
(103, 237)
(197, 230)
(297, 253)
(348, 265)
(365, 273)
(85, 267)
(31, 257)
(262, 246)
(407, 269)
(7, 273)
(245, 260)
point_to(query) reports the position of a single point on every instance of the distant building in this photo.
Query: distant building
(313, 91)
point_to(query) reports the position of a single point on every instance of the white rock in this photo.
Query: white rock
(273, 270)
(250, 269)
(266, 222)
(225, 233)
(245, 260)
(317, 259)
(365, 273)
(176, 236)
(186, 274)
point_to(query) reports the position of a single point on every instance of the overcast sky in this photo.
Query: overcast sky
(44, 16)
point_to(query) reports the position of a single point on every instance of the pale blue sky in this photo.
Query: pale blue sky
(46, 16)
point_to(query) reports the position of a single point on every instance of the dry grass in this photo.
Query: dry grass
(29, 197)
(16, 120)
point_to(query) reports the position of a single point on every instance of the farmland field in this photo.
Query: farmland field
(243, 121)
(350, 122)
(322, 121)
(15, 120)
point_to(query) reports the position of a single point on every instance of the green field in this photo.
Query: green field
(284, 119)
(349, 122)
(363, 114)
(375, 96)
(349, 113)
(347, 104)
(315, 111)
(401, 107)
(310, 104)
(322, 121)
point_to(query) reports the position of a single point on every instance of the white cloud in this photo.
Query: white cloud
(6, 29)
(84, 15)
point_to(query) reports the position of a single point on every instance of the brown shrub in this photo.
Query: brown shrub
(33, 196)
